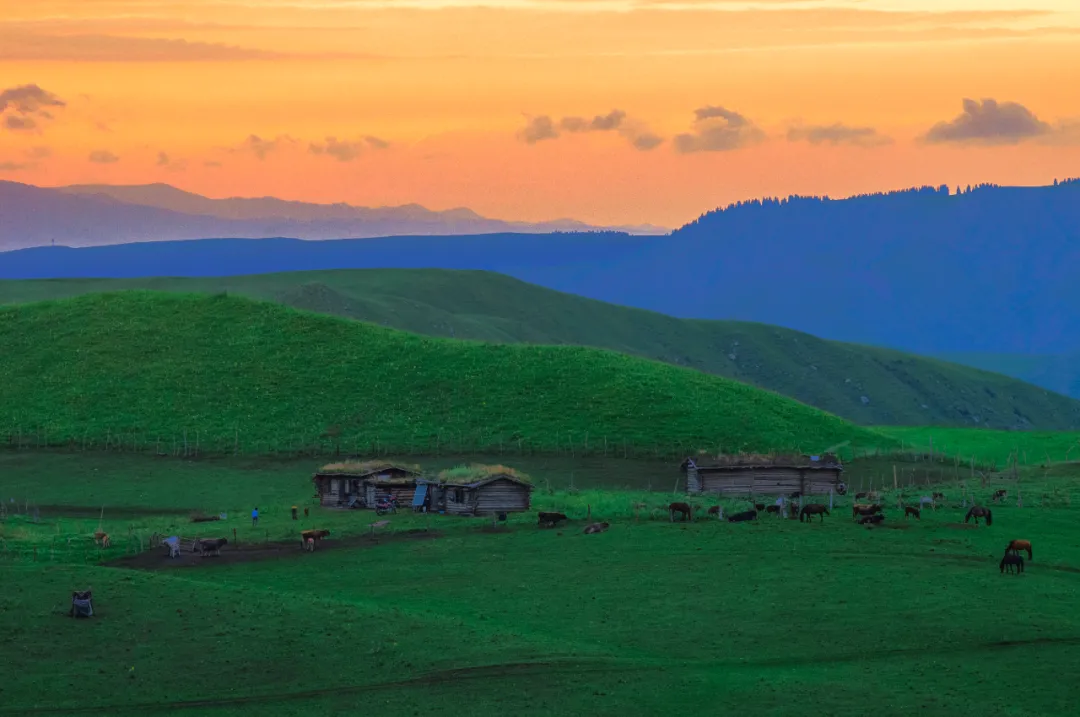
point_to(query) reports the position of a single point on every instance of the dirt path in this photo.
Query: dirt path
(158, 558)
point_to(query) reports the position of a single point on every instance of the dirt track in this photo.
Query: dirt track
(158, 558)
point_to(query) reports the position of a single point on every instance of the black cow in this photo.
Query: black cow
(872, 519)
(550, 519)
(740, 517)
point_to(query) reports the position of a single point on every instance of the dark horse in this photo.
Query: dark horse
(978, 511)
(1012, 562)
(1017, 545)
(809, 511)
(549, 519)
(911, 510)
(683, 509)
(740, 517)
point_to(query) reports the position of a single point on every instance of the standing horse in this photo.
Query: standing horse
(683, 509)
(1012, 562)
(910, 510)
(858, 510)
(809, 511)
(978, 511)
(1017, 545)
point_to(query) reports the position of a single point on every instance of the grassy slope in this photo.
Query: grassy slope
(650, 618)
(144, 365)
(1059, 373)
(902, 389)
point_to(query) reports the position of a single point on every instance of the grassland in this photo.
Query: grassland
(168, 372)
(649, 618)
(899, 388)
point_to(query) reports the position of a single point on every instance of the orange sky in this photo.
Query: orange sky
(427, 100)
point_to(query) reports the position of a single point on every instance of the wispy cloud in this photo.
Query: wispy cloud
(260, 147)
(718, 129)
(103, 156)
(345, 150)
(24, 105)
(29, 47)
(838, 133)
(543, 127)
(989, 122)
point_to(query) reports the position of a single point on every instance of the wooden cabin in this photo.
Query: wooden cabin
(765, 475)
(357, 485)
(480, 490)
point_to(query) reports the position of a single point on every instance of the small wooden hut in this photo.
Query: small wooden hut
(358, 485)
(481, 490)
(765, 475)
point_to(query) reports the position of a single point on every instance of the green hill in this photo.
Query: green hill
(1060, 372)
(870, 386)
(133, 368)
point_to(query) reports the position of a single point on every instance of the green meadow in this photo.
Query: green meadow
(440, 614)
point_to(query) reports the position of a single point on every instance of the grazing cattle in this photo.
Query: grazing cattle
(683, 509)
(759, 507)
(809, 511)
(871, 519)
(1017, 545)
(999, 495)
(208, 546)
(861, 509)
(596, 528)
(309, 545)
(772, 509)
(713, 510)
(1012, 563)
(868, 495)
(740, 517)
(909, 510)
(978, 511)
(315, 535)
(549, 519)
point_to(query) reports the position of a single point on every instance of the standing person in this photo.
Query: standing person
(254, 517)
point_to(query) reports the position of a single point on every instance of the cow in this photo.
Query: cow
(315, 535)
(999, 495)
(596, 528)
(683, 509)
(209, 545)
(759, 507)
(740, 517)
(772, 509)
(860, 509)
(809, 511)
(869, 495)
(910, 510)
(938, 496)
(871, 519)
(549, 519)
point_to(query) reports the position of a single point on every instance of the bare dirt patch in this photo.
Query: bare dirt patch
(231, 554)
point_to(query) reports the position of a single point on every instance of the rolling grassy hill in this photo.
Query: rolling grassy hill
(232, 374)
(867, 385)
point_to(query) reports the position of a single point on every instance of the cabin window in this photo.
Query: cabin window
(459, 495)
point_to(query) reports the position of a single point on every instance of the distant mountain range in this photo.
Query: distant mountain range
(94, 215)
(991, 270)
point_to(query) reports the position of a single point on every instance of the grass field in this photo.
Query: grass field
(444, 615)
(168, 372)
(899, 388)
(990, 447)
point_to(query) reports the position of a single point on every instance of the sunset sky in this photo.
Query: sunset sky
(608, 111)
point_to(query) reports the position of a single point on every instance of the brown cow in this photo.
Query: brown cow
(772, 509)
(714, 510)
(209, 545)
(860, 509)
(596, 528)
(315, 535)
(910, 510)
(999, 495)
(1017, 545)
(683, 509)
(809, 511)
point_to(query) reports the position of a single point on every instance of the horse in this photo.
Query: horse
(1011, 562)
(713, 510)
(999, 495)
(549, 519)
(683, 509)
(809, 511)
(1017, 545)
(909, 510)
(759, 507)
(871, 519)
(740, 517)
(978, 511)
(596, 528)
(212, 545)
(772, 509)
(862, 509)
